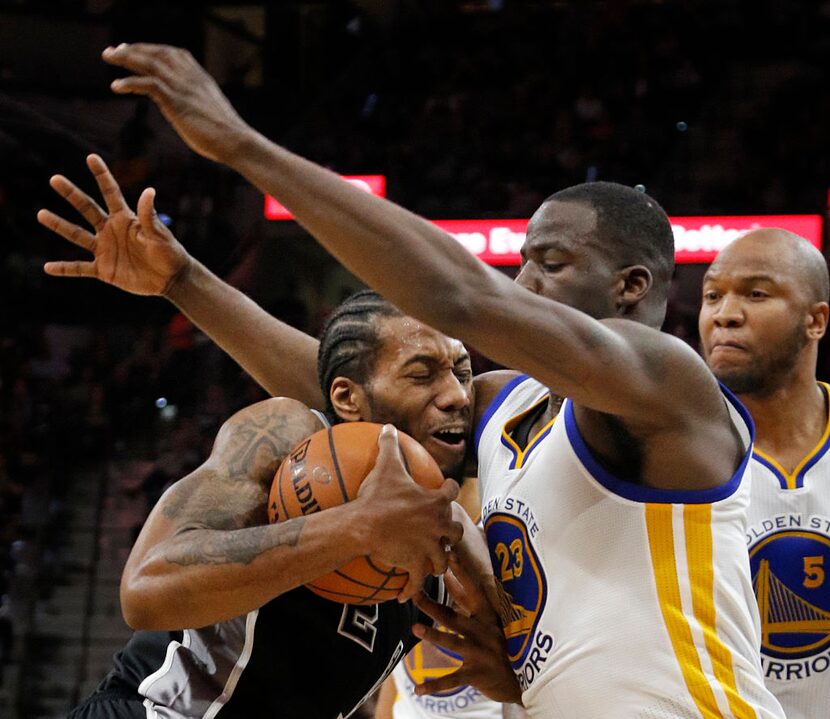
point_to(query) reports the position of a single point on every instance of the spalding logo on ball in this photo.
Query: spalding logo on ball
(326, 470)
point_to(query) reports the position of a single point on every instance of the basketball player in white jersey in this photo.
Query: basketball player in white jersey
(764, 310)
(619, 531)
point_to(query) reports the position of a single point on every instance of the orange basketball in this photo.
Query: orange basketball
(327, 470)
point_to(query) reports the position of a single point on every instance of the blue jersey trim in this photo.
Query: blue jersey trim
(782, 480)
(497, 402)
(799, 480)
(639, 493)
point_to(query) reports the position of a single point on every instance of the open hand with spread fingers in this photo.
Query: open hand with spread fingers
(134, 252)
(473, 632)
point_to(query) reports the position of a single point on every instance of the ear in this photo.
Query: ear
(349, 400)
(817, 320)
(634, 283)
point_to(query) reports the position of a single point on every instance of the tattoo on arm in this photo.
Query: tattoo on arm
(220, 511)
(241, 546)
(257, 441)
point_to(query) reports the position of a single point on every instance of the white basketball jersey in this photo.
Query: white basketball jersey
(626, 601)
(424, 662)
(789, 554)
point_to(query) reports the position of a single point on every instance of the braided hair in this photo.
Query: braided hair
(349, 341)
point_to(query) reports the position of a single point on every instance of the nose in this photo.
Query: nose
(729, 312)
(454, 395)
(528, 277)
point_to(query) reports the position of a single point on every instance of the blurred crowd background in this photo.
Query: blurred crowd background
(477, 108)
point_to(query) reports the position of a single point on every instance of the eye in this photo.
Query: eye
(464, 374)
(758, 295)
(552, 266)
(420, 376)
(710, 296)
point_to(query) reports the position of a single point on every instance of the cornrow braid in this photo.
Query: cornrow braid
(349, 340)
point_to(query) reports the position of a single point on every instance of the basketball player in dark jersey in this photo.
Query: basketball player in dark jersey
(215, 591)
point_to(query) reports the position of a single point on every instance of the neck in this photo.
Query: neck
(551, 411)
(789, 419)
(554, 405)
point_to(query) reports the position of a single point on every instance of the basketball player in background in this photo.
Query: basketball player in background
(764, 310)
(657, 461)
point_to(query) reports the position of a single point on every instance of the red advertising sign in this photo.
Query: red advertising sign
(374, 184)
(696, 239)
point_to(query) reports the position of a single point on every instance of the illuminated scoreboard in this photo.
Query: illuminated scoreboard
(497, 242)
(696, 239)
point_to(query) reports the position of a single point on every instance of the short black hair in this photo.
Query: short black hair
(349, 341)
(631, 221)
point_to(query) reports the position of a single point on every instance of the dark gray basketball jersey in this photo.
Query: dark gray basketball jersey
(298, 656)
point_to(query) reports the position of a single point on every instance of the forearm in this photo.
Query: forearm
(472, 550)
(202, 576)
(425, 272)
(372, 237)
(279, 357)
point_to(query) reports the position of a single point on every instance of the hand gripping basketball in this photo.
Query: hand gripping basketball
(407, 523)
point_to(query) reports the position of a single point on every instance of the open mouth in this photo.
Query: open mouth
(451, 437)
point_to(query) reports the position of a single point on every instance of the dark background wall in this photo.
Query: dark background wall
(471, 109)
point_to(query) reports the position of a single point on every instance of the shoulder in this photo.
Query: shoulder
(276, 415)
(255, 440)
(487, 387)
(665, 366)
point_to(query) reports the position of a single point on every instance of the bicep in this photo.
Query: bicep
(574, 354)
(614, 366)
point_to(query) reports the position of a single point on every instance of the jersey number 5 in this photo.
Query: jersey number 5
(813, 572)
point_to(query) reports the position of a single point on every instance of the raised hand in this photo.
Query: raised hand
(187, 96)
(472, 631)
(134, 252)
(407, 525)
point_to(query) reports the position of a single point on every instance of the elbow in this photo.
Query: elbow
(139, 604)
(134, 608)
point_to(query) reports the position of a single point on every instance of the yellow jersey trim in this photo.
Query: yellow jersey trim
(519, 454)
(791, 479)
(660, 529)
(697, 524)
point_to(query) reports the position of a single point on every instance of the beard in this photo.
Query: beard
(767, 374)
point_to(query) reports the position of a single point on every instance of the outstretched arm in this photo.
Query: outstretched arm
(207, 552)
(138, 254)
(423, 270)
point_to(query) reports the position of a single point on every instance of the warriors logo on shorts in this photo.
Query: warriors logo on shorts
(517, 566)
(789, 575)
(427, 661)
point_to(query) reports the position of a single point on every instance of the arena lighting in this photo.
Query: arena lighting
(696, 239)
(375, 184)
(497, 242)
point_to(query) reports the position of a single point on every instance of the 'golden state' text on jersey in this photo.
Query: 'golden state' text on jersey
(625, 601)
(789, 552)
